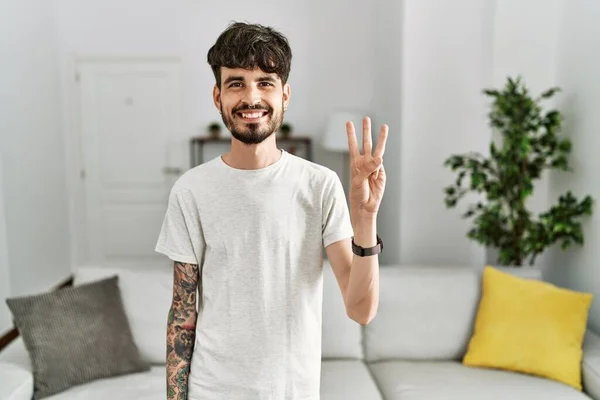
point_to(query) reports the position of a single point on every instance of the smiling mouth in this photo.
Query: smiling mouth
(252, 116)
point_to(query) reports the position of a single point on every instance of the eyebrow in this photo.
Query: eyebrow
(235, 78)
(267, 78)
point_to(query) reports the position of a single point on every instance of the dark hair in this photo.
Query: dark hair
(248, 46)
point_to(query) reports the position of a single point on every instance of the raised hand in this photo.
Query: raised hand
(368, 175)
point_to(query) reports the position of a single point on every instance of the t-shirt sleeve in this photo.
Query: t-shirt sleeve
(181, 237)
(336, 215)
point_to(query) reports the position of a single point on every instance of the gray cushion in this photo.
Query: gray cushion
(425, 313)
(76, 335)
(451, 380)
(347, 380)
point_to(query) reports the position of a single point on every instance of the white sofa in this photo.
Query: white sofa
(411, 350)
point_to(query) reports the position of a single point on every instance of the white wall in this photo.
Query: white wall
(529, 50)
(387, 107)
(578, 73)
(32, 147)
(445, 64)
(333, 64)
(451, 51)
(418, 66)
(5, 316)
(188, 29)
(337, 66)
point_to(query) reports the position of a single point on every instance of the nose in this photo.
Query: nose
(251, 95)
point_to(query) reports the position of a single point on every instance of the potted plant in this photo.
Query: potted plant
(529, 145)
(214, 130)
(285, 130)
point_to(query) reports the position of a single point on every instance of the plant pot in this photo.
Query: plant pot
(214, 134)
(285, 131)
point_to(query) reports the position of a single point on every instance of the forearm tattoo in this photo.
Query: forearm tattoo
(181, 329)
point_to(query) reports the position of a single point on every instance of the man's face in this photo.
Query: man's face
(251, 102)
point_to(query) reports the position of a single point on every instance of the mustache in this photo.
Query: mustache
(252, 108)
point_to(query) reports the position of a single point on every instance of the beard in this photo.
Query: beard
(252, 133)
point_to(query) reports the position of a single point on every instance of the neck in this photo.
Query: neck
(256, 156)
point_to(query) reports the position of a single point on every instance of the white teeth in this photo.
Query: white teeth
(252, 115)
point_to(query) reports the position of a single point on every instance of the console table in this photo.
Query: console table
(298, 145)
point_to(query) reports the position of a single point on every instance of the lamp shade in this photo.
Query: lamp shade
(335, 137)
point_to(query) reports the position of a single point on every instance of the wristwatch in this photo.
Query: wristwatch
(368, 251)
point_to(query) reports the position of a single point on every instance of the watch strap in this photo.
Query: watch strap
(367, 251)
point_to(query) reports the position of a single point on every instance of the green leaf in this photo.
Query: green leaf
(450, 190)
(450, 203)
(491, 92)
(564, 145)
(549, 93)
(527, 190)
(525, 144)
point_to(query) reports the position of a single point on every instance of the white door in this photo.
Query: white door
(132, 153)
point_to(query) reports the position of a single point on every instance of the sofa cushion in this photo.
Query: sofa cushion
(340, 379)
(590, 367)
(148, 385)
(16, 383)
(450, 380)
(76, 335)
(347, 380)
(152, 289)
(147, 295)
(529, 326)
(341, 336)
(16, 353)
(425, 313)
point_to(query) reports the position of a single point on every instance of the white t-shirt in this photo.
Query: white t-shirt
(258, 237)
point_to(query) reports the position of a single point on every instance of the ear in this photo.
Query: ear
(217, 97)
(287, 92)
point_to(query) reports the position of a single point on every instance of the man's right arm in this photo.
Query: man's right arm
(181, 329)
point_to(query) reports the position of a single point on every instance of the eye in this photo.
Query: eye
(235, 84)
(266, 83)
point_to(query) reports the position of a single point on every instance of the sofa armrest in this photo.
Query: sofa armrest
(590, 366)
(16, 382)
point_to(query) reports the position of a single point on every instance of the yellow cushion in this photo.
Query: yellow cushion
(529, 326)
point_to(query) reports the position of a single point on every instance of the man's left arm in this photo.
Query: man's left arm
(358, 276)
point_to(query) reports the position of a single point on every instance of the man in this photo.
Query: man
(246, 231)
